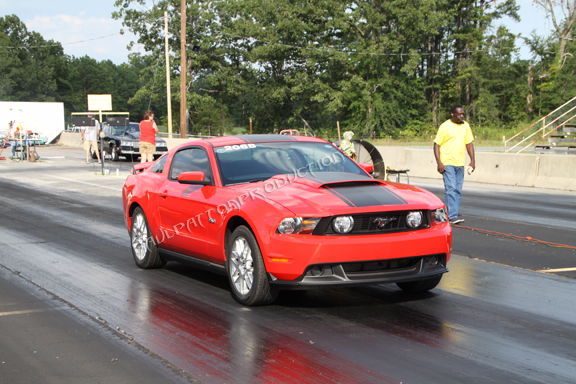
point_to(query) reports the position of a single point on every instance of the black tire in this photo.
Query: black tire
(114, 156)
(244, 260)
(93, 154)
(420, 285)
(369, 154)
(142, 243)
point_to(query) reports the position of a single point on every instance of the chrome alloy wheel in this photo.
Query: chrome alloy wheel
(139, 236)
(242, 268)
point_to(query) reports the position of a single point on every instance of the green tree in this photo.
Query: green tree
(26, 62)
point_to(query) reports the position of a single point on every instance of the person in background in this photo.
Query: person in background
(90, 138)
(14, 142)
(148, 131)
(454, 138)
(346, 145)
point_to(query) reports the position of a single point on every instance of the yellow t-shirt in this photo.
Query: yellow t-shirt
(452, 139)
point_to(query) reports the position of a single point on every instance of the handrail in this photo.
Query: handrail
(548, 133)
(541, 129)
(543, 119)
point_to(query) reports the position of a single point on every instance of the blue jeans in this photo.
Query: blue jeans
(453, 181)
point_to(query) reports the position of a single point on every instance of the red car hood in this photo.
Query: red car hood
(326, 194)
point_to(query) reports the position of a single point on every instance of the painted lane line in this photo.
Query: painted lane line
(23, 312)
(558, 270)
(82, 182)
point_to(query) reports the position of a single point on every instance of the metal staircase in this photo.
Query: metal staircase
(556, 126)
(562, 141)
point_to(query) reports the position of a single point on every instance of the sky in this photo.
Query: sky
(81, 25)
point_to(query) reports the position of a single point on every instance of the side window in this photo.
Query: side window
(190, 160)
(158, 167)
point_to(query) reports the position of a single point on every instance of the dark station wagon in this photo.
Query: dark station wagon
(121, 139)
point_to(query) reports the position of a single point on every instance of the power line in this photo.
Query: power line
(57, 44)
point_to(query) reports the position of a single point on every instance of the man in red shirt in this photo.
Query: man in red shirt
(148, 130)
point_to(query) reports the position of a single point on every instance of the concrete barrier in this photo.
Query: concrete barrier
(74, 139)
(71, 139)
(556, 171)
(173, 142)
(527, 170)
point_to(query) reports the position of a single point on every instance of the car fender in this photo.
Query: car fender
(262, 216)
(137, 194)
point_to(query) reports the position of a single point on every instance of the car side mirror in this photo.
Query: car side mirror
(367, 167)
(195, 178)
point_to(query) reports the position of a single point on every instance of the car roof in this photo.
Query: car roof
(248, 139)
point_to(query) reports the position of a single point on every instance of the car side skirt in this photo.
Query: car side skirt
(342, 274)
(192, 261)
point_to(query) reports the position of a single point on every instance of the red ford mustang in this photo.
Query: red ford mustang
(283, 212)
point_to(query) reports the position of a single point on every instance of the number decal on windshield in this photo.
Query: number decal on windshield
(238, 147)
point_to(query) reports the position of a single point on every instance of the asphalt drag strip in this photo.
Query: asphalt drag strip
(499, 248)
(65, 249)
(47, 340)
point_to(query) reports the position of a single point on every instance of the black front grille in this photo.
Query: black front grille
(382, 222)
(380, 265)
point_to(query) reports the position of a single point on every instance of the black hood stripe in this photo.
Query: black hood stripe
(340, 197)
(366, 195)
(393, 193)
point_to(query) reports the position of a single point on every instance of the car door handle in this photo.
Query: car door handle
(164, 194)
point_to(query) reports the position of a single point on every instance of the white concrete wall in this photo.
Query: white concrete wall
(528, 170)
(74, 139)
(71, 139)
(171, 143)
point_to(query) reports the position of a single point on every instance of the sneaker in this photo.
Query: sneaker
(87, 162)
(456, 221)
(99, 162)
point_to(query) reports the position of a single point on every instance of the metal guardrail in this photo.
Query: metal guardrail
(550, 123)
(177, 136)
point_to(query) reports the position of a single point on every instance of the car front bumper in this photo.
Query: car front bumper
(124, 150)
(364, 273)
(391, 257)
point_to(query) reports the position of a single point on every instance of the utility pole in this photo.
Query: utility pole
(183, 69)
(168, 95)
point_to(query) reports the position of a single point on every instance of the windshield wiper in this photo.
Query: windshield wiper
(247, 182)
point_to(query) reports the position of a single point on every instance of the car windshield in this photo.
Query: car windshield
(122, 129)
(260, 161)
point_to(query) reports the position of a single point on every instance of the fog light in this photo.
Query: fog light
(432, 261)
(317, 271)
(414, 219)
(343, 224)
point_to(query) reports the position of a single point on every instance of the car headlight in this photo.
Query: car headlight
(297, 225)
(439, 215)
(414, 219)
(126, 143)
(343, 224)
(290, 225)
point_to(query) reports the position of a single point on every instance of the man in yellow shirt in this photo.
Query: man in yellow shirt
(454, 138)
